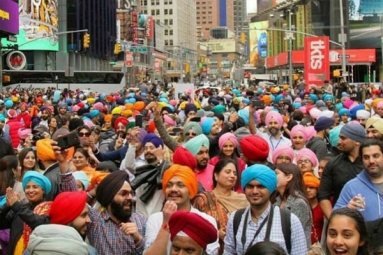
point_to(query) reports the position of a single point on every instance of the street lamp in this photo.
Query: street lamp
(290, 36)
(342, 39)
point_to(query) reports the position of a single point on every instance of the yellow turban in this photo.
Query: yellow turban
(183, 105)
(44, 150)
(185, 174)
(91, 100)
(376, 123)
(116, 111)
(376, 101)
(126, 113)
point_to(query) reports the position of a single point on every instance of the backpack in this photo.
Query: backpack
(285, 220)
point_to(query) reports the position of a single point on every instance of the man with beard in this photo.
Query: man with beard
(342, 168)
(274, 137)
(205, 98)
(46, 113)
(362, 116)
(318, 144)
(369, 183)
(148, 178)
(62, 111)
(115, 230)
(199, 147)
(179, 186)
(374, 128)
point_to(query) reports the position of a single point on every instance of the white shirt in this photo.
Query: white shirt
(154, 223)
(274, 143)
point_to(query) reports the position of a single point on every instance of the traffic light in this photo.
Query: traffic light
(187, 68)
(86, 41)
(243, 38)
(117, 49)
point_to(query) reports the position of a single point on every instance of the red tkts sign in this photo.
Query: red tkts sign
(317, 62)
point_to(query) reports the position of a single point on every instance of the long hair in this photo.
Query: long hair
(265, 248)
(7, 164)
(219, 167)
(23, 153)
(359, 225)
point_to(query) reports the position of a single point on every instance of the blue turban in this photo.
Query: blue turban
(56, 96)
(339, 106)
(102, 96)
(246, 101)
(190, 108)
(262, 174)
(2, 118)
(278, 98)
(162, 99)
(94, 113)
(297, 105)
(131, 100)
(154, 139)
(206, 125)
(192, 126)
(163, 95)
(131, 95)
(244, 114)
(334, 136)
(344, 111)
(8, 103)
(313, 97)
(39, 179)
(194, 145)
(354, 109)
(81, 176)
(328, 98)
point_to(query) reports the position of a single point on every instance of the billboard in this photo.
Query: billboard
(317, 61)
(365, 18)
(38, 25)
(221, 46)
(258, 41)
(9, 17)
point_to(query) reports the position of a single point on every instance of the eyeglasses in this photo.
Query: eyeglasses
(286, 158)
(81, 134)
(191, 134)
(305, 161)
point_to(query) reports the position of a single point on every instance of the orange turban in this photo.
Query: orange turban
(108, 118)
(44, 150)
(139, 105)
(310, 180)
(185, 174)
(266, 99)
(98, 176)
(129, 106)
(126, 113)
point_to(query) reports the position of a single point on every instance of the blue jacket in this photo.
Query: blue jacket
(362, 184)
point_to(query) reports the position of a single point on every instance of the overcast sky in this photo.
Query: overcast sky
(251, 6)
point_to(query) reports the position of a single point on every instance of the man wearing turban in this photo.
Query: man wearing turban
(374, 128)
(179, 186)
(258, 183)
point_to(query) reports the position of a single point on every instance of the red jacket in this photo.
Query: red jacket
(14, 126)
(25, 119)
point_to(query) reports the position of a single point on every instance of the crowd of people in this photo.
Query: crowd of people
(249, 170)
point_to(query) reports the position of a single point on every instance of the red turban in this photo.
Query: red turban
(124, 121)
(151, 127)
(67, 206)
(39, 100)
(182, 156)
(254, 148)
(196, 227)
(185, 174)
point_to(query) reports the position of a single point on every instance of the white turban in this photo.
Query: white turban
(363, 114)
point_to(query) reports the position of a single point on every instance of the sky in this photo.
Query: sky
(251, 6)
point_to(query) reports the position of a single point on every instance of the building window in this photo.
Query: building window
(157, 12)
(171, 11)
(166, 42)
(145, 3)
(166, 11)
(171, 42)
(153, 3)
(157, 2)
(171, 32)
(166, 2)
(170, 22)
(170, 2)
(166, 22)
(153, 12)
(166, 32)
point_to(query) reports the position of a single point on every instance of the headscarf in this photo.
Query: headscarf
(185, 174)
(67, 206)
(375, 122)
(109, 187)
(154, 139)
(182, 156)
(299, 129)
(283, 149)
(274, 115)
(227, 137)
(195, 144)
(39, 179)
(56, 239)
(309, 154)
(206, 124)
(192, 126)
(254, 148)
(310, 180)
(44, 150)
(262, 174)
(81, 176)
(194, 226)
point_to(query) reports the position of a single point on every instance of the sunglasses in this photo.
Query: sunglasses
(81, 134)
(191, 134)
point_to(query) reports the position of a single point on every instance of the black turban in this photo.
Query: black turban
(109, 187)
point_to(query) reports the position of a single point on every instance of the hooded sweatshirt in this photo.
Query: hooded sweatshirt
(362, 184)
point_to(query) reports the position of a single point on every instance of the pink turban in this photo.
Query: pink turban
(274, 115)
(315, 112)
(380, 105)
(310, 132)
(169, 121)
(75, 108)
(298, 100)
(298, 129)
(227, 137)
(303, 109)
(309, 154)
(98, 106)
(284, 149)
(347, 103)
(173, 102)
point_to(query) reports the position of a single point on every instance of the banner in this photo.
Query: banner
(9, 17)
(317, 62)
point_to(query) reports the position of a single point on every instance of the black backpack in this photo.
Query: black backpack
(285, 220)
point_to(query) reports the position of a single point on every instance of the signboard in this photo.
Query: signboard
(150, 28)
(258, 43)
(128, 59)
(16, 60)
(38, 25)
(9, 17)
(221, 46)
(157, 67)
(159, 39)
(139, 49)
(317, 61)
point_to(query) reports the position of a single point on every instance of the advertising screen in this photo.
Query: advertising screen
(9, 17)
(38, 25)
(221, 46)
(258, 43)
(365, 23)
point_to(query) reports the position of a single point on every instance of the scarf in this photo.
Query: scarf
(233, 202)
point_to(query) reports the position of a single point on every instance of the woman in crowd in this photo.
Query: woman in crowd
(283, 154)
(322, 165)
(82, 180)
(52, 125)
(27, 159)
(312, 185)
(290, 194)
(107, 135)
(80, 162)
(222, 200)
(84, 133)
(23, 218)
(298, 138)
(307, 161)
(347, 233)
(10, 174)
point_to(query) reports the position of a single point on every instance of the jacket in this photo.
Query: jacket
(14, 217)
(362, 184)
(14, 126)
(318, 146)
(107, 137)
(25, 119)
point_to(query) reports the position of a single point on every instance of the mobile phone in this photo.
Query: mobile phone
(196, 119)
(176, 129)
(139, 120)
(257, 103)
(69, 140)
